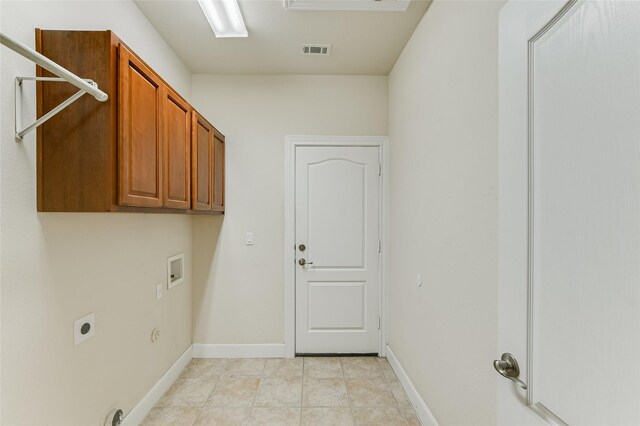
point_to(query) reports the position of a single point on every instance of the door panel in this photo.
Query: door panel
(582, 252)
(343, 247)
(348, 302)
(337, 219)
(177, 150)
(586, 210)
(204, 168)
(140, 142)
(218, 173)
(202, 162)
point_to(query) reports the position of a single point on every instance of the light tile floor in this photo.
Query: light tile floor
(293, 391)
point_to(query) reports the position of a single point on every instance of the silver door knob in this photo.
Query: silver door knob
(508, 367)
(303, 262)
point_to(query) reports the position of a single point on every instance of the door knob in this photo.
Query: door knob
(303, 262)
(508, 367)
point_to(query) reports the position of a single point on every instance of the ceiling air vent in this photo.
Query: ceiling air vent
(316, 49)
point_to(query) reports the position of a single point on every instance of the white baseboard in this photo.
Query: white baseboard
(423, 412)
(203, 350)
(140, 411)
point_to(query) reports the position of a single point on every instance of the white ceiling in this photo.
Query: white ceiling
(363, 43)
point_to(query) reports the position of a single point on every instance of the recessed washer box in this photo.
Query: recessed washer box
(175, 270)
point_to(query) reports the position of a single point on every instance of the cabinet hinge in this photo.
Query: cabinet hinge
(378, 322)
(379, 169)
(379, 246)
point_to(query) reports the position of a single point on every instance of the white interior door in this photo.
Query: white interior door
(570, 211)
(337, 207)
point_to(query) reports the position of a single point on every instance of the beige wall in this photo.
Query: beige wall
(441, 107)
(238, 290)
(443, 128)
(59, 267)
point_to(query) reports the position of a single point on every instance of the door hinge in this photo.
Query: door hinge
(378, 322)
(379, 246)
(379, 169)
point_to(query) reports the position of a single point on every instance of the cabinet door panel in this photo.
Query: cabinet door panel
(140, 142)
(218, 173)
(202, 162)
(177, 149)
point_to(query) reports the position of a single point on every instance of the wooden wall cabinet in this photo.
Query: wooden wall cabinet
(131, 153)
(176, 114)
(140, 149)
(207, 173)
(218, 172)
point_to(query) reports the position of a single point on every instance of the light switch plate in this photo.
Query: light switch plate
(159, 291)
(84, 328)
(248, 238)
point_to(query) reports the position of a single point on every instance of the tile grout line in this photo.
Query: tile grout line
(395, 397)
(386, 378)
(255, 396)
(213, 390)
(344, 378)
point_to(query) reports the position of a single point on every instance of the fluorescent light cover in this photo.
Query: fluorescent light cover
(224, 17)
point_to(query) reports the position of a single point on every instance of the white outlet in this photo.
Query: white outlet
(419, 280)
(248, 238)
(159, 291)
(84, 328)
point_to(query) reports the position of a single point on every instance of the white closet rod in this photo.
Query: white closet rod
(51, 66)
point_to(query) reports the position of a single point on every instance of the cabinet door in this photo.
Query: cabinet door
(140, 140)
(176, 119)
(218, 172)
(202, 147)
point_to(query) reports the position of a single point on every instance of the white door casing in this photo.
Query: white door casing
(335, 304)
(569, 263)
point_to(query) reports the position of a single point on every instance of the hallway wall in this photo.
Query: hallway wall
(58, 267)
(443, 129)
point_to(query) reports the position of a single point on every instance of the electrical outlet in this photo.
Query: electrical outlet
(84, 328)
(159, 291)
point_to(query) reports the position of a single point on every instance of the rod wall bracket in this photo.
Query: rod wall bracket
(20, 131)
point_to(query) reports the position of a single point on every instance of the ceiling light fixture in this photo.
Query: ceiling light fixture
(224, 17)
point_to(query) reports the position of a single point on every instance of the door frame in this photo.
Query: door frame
(290, 145)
